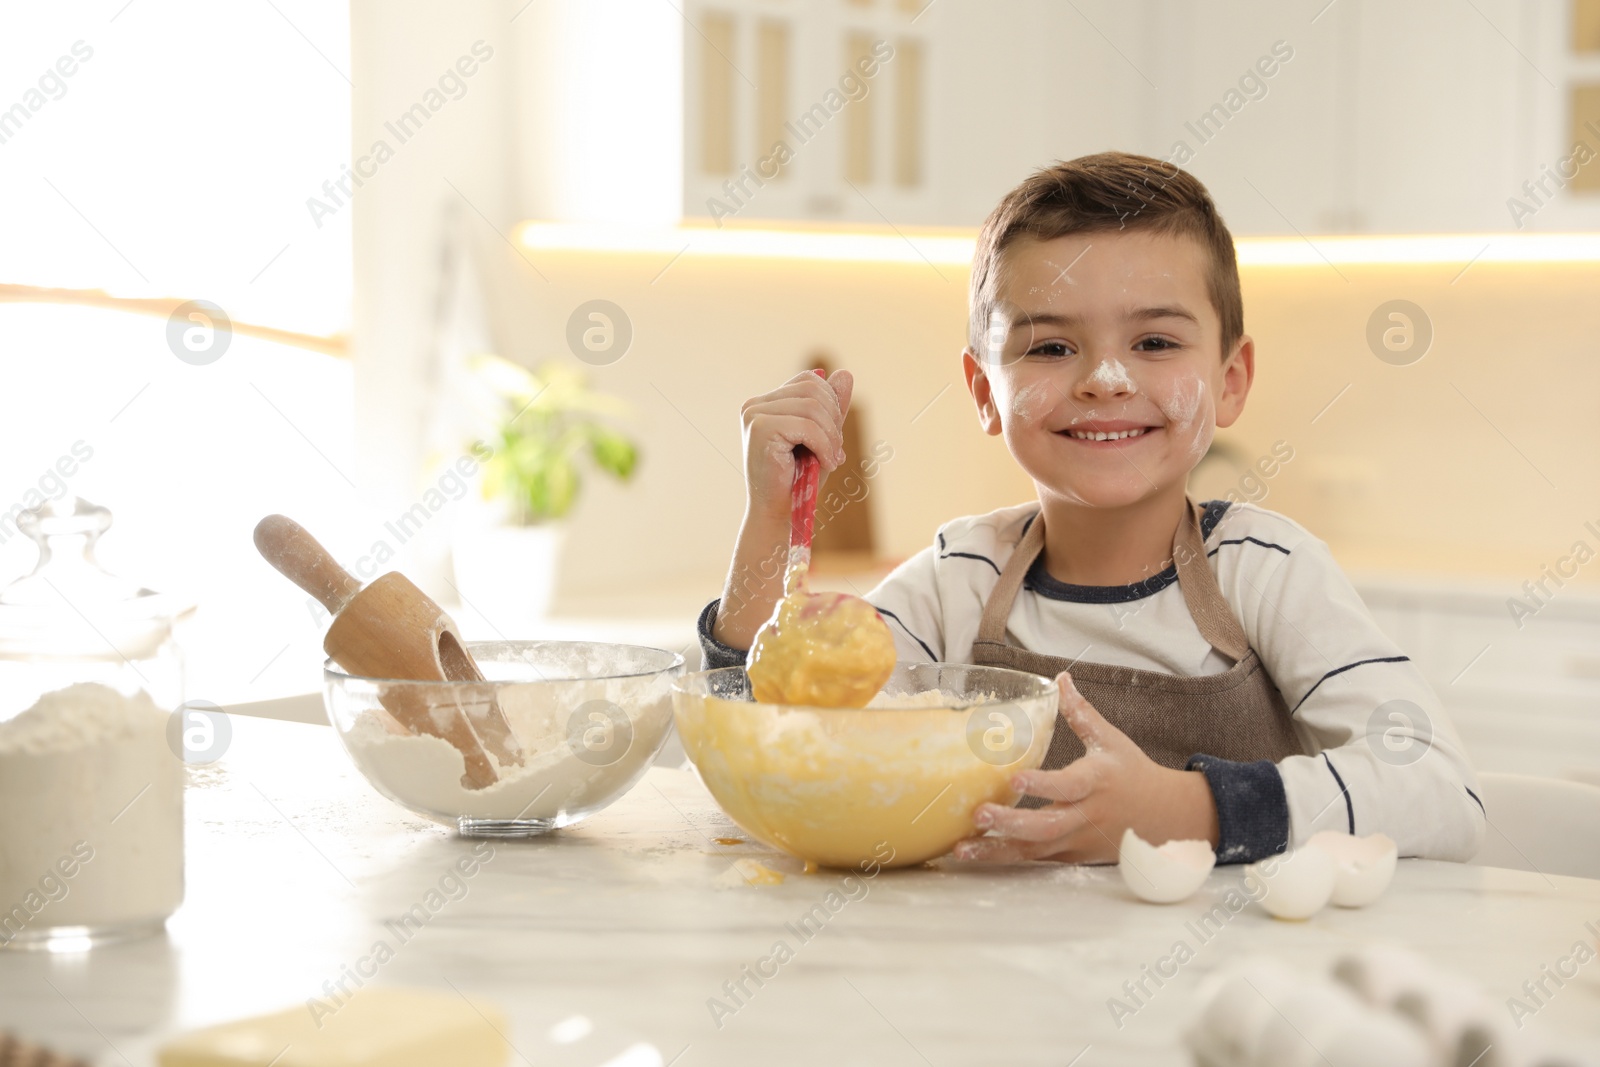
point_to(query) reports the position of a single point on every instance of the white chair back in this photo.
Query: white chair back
(1540, 824)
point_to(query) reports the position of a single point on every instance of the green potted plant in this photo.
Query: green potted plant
(548, 426)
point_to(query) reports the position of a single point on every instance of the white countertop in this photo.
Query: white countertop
(637, 917)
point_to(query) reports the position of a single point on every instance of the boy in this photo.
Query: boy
(1219, 675)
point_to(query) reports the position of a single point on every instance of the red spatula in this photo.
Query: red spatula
(819, 649)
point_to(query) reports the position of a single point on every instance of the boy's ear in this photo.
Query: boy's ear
(980, 387)
(1237, 374)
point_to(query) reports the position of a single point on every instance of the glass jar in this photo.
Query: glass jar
(91, 789)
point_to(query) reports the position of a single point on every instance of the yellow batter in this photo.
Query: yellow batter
(810, 769)
(893, 784)
(827, 650)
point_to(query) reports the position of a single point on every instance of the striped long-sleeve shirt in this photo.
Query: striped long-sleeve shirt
(1382, 754)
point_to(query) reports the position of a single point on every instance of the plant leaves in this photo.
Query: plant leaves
(551, 419)
(612, 452)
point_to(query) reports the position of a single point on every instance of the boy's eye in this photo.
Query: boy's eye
(1156, 344)
(1050, 348)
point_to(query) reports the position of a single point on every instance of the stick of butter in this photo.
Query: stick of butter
(374, 1028)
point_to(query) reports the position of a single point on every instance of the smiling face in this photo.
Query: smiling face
(1103, 366)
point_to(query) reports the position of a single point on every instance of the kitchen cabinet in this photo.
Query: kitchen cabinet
(685, 128)
(1354, 116)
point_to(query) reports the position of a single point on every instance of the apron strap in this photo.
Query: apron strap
(997, 609)
(1212, 615)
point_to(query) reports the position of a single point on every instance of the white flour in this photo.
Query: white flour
(424, 773)
(1111, 374)
(1031, 401)
(91, 813)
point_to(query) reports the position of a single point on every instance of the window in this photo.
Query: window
(152, 154)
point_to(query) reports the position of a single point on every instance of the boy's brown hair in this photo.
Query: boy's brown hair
(1108, 191)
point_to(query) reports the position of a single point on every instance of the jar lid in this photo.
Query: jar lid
(70, 607)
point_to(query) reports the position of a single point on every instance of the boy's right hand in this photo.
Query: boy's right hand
(805, 410)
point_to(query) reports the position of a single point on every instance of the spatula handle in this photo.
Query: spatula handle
(286, 545)
(803, 494)
(803, 503)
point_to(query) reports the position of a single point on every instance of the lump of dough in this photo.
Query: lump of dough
(826, 650)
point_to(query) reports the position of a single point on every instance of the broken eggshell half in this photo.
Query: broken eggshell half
(1362, 866)
(1165, 874)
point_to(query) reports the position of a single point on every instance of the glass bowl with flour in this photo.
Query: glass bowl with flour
(590, 718)
(892, 784)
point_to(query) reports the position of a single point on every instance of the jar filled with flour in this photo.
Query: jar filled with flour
(91, 792)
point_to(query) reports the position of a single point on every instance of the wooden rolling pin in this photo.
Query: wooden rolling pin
(391, 629)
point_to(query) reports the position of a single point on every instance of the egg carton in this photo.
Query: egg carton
(1379, 1007)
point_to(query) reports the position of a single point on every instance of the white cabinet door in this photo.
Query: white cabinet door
(1349, 116)
(964, 100)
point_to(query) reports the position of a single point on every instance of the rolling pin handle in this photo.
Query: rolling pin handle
(286, 545)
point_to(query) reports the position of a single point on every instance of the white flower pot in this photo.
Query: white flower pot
(507, 574)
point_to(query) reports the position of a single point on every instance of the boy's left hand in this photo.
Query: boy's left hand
(1114, 786)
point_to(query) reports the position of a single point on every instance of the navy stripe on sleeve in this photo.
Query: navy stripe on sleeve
(914, 637)
(1250, 540)
(1474, 796)
(943, 554)
(973, 555)
(1349, 808)
(1346, 667)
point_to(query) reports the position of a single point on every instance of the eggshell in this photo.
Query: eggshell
(1236, 1005)
(1362, 866)
(1166, 874)
(1296, 885)
(1380, 974)
(1306, 1022)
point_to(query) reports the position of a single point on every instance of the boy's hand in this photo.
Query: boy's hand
(805, 410)
(1114, 786)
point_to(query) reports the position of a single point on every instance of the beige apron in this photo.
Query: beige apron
(1237, 715)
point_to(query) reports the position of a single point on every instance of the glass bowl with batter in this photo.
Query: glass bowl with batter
(892, 784)
(590, 718)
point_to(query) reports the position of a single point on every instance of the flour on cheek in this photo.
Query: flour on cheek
(1031, 402)
(1188, 413)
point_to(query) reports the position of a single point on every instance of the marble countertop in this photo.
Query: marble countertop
(639, 921)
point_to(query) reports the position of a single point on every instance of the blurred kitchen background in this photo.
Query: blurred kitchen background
(375, 194)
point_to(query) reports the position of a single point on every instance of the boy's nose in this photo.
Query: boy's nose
(1106, 377)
